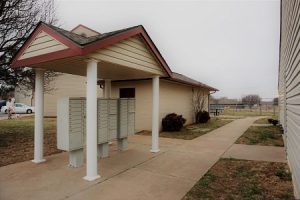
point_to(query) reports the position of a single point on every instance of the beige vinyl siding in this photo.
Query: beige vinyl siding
(289, 85)
(42, 44)
(65, 85)
(132, 53)
(174, 97)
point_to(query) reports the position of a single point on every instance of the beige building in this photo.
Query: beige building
(176, 91)
(126, 56)
(289, 85)
(175, 96)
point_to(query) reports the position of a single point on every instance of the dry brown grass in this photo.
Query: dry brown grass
(242, 179)
(192, 131)
(262, 121)
(17, 139)
(262, 135)
(250, 112)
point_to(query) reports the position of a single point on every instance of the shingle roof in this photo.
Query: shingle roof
(81, 40)
(182, 78)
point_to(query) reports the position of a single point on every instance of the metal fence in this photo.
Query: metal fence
(241, 110)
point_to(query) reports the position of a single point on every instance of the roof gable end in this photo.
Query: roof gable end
(85, 45)
(43, 44)
(84, 31)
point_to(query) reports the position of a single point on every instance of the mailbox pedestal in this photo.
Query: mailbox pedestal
(76, 158)
(103, 150)
(71, 128)
(122, 144)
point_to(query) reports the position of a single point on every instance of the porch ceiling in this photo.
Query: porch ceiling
(106, 70)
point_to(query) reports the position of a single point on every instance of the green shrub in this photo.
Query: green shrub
(173, 122)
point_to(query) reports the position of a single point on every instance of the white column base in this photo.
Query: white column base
(154, 150)
(38, 161)
(91, 178)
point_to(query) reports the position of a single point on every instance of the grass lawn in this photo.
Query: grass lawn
(260, 135)
(249, 113)
(262, 121)
(192, 131)
(243, 179)
(17, 139)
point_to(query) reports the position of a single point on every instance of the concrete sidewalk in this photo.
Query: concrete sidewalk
(132, 174)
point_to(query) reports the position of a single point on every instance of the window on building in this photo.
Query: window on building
(127, 92)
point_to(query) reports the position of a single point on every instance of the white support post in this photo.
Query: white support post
(39, 117)
(91, 121)
(107, 88)
(155, 114)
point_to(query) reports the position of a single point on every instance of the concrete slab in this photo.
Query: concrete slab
(192, 165)
(55, 180)
(136, 184)
(132, 174)
(256, 152)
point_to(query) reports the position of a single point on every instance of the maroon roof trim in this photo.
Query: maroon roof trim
(73, 49)
(171, 80)
(76, 50)
(109, 40)
(191, 84)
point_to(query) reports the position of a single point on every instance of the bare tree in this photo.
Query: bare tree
(251, 100)
(199, 101)
(28, 82)
(18, 18)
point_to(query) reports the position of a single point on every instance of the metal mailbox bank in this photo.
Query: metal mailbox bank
(116, 120)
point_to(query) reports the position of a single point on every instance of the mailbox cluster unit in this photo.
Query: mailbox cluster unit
(71, 123)
(115, 117)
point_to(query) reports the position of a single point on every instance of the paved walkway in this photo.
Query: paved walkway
(132, 174)
(256, 152)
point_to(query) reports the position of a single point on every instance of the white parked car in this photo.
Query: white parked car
(19, 108)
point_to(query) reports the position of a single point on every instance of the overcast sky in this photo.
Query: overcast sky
(230, 45)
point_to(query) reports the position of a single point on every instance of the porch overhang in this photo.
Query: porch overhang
(109, 49)
(120, 55)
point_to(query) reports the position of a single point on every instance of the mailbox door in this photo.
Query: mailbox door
(131, 117)
(103, 121)
(123, 118)
(113, 118)
(76, 124)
